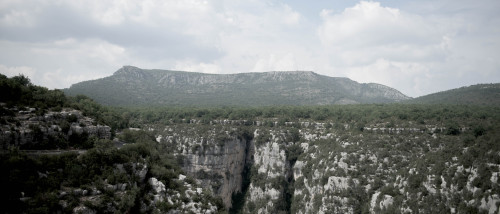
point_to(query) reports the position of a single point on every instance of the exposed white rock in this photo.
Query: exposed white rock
(158, 189)
(83, 210)
(373, 201)
(182, 177)
(335, 182)
(491, 204)
(384, 202)
(270, 156)
(256, 193)
(494, 177)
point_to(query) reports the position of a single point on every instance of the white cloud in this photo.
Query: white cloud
(61, 63)
(410, 77)
(15, 71)
(416, 48)
(286, 62)
(380, 32)
(197, 67)
(17, 18)
(414, 53)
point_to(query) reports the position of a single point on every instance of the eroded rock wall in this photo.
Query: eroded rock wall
(216, 156)
(340, 169)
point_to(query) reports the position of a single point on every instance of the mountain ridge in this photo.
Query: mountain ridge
(132, 86)
(479, 94)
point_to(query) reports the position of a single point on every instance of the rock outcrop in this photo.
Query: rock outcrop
(30, 129)
(216, 157)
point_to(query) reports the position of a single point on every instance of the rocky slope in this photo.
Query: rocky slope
(131, 86)
(44, 173)
(391, 165)
(28, 128)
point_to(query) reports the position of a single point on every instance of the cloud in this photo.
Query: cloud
(381, 32)
(253, 36)
(417, 48)
(414, 53)
(15, 71)
(62, 62)
(197, 67)
(200, 36)
(410, 76)
(174, 29)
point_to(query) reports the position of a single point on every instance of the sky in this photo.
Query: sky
(417, 47)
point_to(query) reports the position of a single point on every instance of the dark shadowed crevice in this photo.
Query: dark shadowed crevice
(238, 198)
(292, 154)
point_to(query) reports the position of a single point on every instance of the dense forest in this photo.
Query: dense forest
(363, 158)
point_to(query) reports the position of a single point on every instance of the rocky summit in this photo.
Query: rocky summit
(132, 86)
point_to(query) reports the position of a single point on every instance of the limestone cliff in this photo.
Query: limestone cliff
(324, 167)
(215, 155)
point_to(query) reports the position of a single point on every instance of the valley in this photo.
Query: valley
(71, 154)
(385, 165)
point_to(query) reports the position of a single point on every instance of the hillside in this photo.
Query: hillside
(57, 156)
(131, 86)
(481, 94)
(369, 158)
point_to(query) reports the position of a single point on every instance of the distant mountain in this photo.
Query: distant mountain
(131, 86)
(481, 94)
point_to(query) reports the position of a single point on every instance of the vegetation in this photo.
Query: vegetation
(377, 143)
(355, 116)
(46, 180)
(19, 92)
(132, 86)
(104, 178)
(481, 94)
(429, 158)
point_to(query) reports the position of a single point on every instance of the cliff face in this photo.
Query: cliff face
(215, 155)
(270, 183)
(223, 162)
(324, 167)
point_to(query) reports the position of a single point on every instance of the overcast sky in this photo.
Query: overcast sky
(417, 47)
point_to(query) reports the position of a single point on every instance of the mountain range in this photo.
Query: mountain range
(132, 86)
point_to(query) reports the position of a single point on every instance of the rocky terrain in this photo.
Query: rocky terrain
(58, 156)
(28, 128)
(307, 166)
(132, 86)
(63, 161)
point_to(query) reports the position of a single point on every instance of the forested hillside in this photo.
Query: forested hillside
(131, 86)
(481, 94)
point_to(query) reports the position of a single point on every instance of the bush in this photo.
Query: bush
(452, 130)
